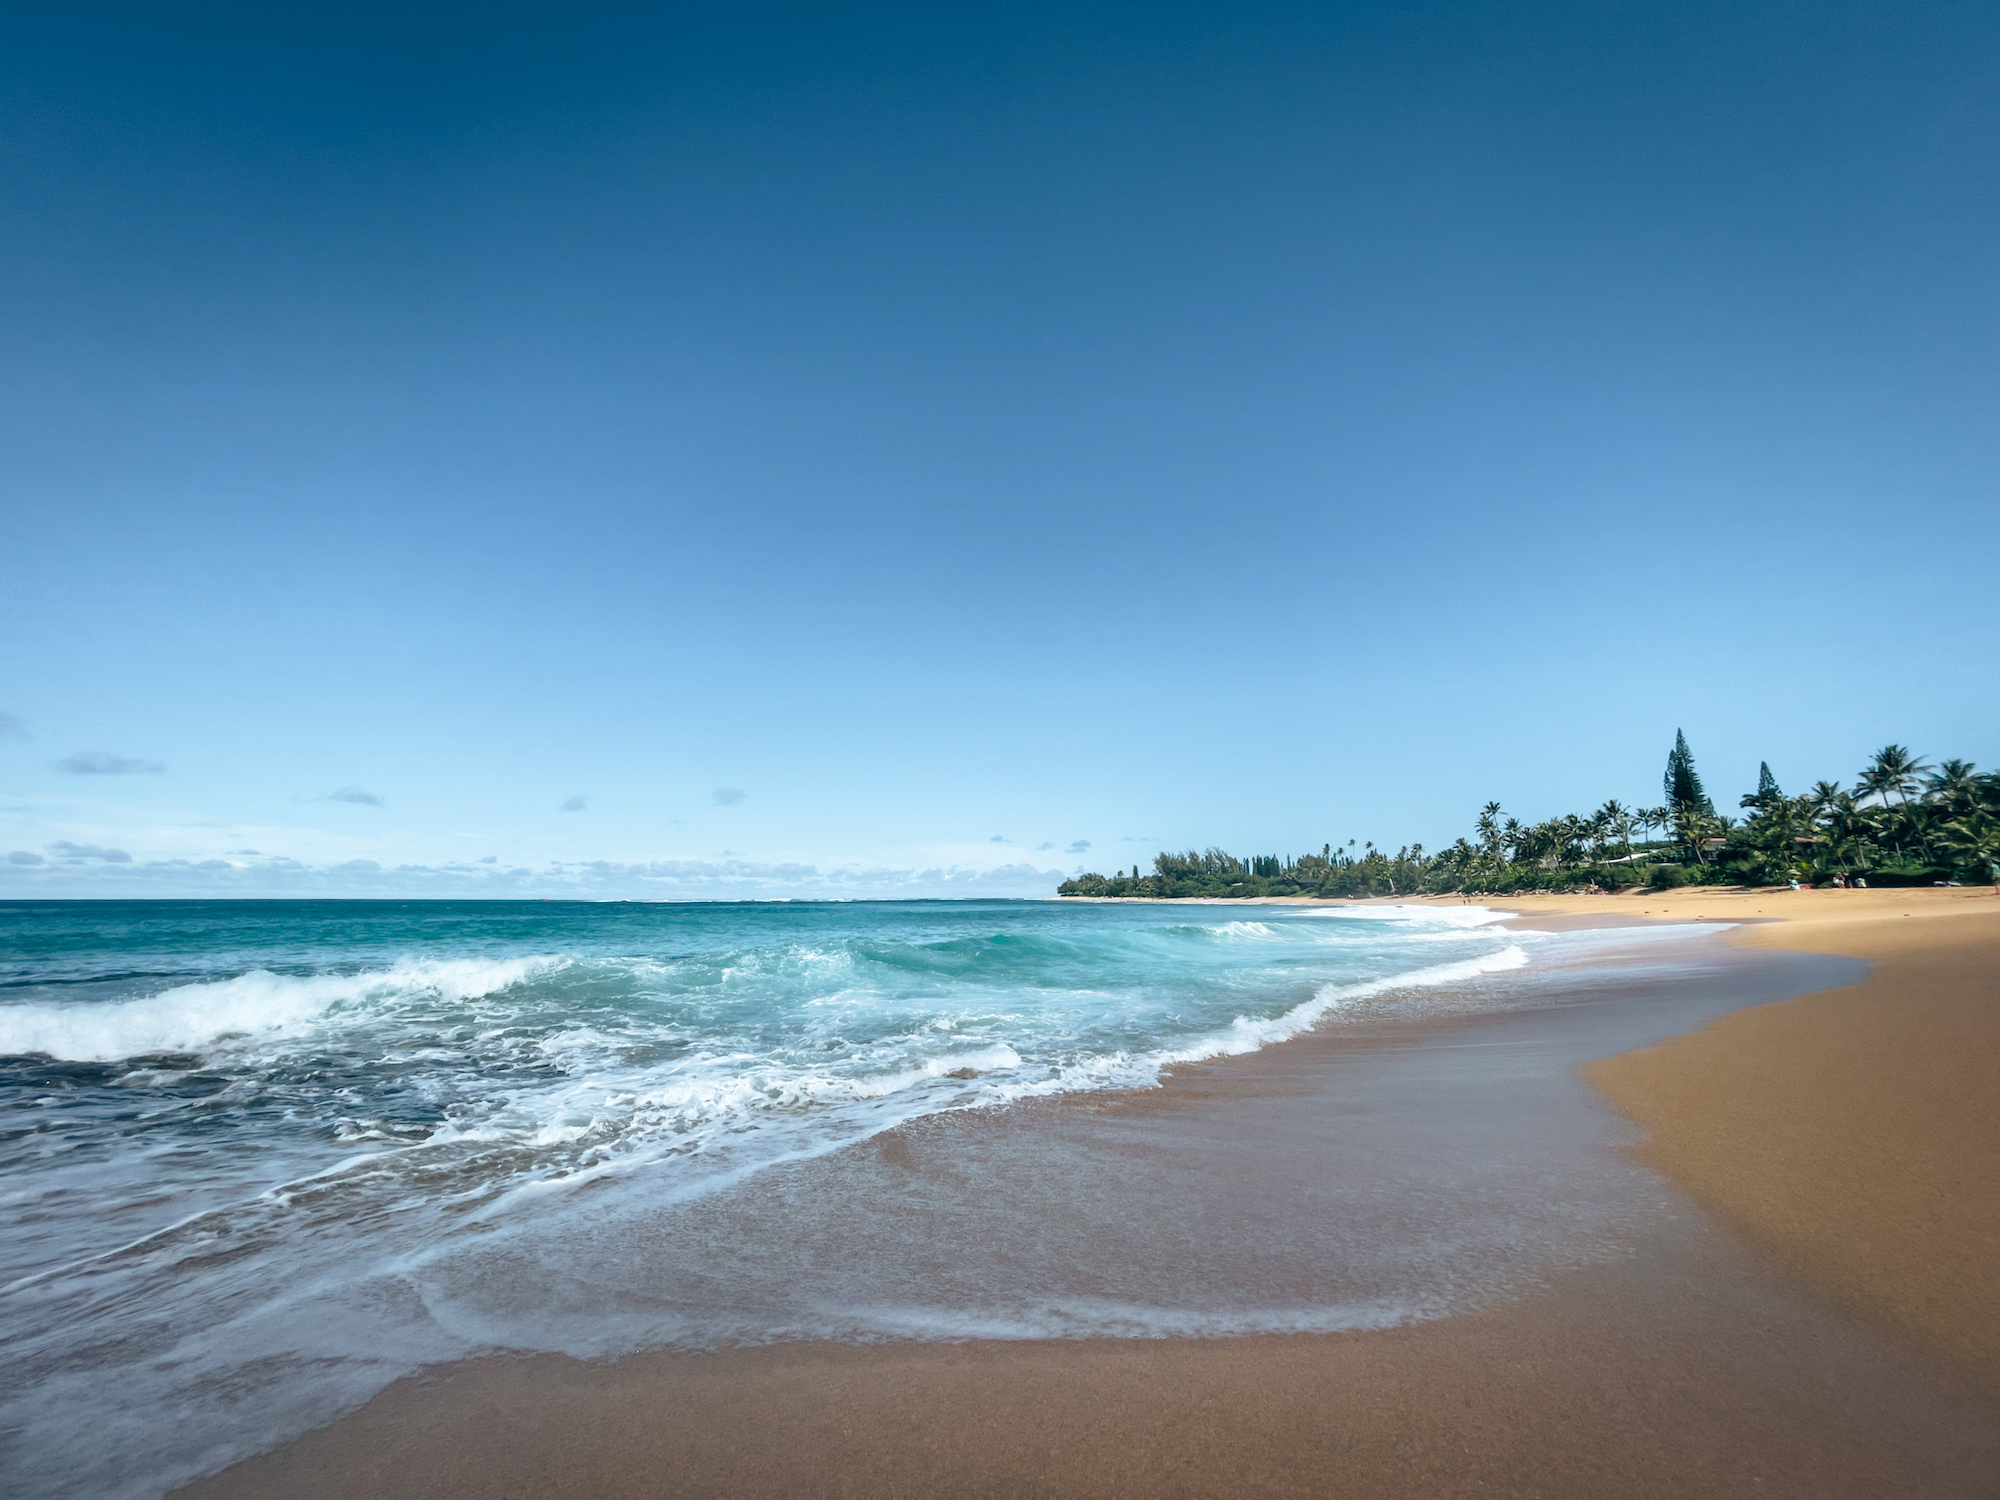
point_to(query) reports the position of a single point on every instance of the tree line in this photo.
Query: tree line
(1902, 822)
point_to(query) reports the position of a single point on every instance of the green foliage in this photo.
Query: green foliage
(1685, 794)
(1898, 826)
(1217, 873)
(1892, 773)
(1215, 863)
(1621, 877)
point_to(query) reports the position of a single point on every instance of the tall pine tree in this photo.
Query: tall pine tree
(1768, 793)
(1683, 787)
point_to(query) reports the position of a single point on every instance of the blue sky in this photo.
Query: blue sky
(883, 450)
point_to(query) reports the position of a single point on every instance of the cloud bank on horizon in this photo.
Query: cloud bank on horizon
(81, 870)
(78, 867)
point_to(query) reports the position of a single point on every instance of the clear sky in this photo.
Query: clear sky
(758, 450)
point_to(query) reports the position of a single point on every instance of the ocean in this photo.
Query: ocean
(261, 1157)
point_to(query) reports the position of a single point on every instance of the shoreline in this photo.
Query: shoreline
(1707, 1355)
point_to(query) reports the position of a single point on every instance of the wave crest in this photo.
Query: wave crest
(192, 1017)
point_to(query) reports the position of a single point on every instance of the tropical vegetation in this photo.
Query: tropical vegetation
(1902, 822)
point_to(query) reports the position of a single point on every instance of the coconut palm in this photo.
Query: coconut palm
(1489, 829)
(1894, 769)
(1953, 784)
(1986, 790)
(1847, 825)
(1617, 818)
(1651, 818)
(1692, 827)
(1974, 841)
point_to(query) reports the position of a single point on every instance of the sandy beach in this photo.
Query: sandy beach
(1812, 1307)
(1854, 1134)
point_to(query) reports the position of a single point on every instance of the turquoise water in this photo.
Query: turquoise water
(162, 1059)
(213, 1115)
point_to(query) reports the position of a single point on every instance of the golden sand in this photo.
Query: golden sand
(1855, 1133)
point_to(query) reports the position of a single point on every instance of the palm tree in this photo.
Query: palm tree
(1952, 783)
(1975, 840)
(1893, 769)
(1617, 817)
(1692, 827)
(1650, 818)
(1919, 822)
(1489, 828)
(1572, 833)
(1877, 823)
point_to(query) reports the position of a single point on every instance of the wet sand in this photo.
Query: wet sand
(1666, 1352)
(1856, 1133)
(1688, 1369)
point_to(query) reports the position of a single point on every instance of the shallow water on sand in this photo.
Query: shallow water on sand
(261, 1158)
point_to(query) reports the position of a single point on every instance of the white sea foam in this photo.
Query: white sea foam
(1251, 930)
(1248, 1033)
(1102, 1317)
(192, 1017)
(1450, 916)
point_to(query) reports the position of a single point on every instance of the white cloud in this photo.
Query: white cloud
(578, 803)
(727, 796)
(104, 763)
(356, 795)
(66, 850)
(1081, 846)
